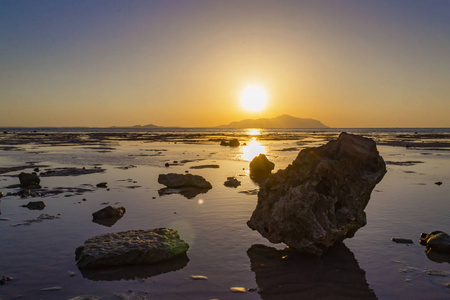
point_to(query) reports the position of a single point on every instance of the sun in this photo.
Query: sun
(254, 98)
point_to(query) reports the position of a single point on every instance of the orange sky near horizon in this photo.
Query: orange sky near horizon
(184, 63)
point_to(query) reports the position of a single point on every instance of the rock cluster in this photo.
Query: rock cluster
(130, 248)
(232, 143)
(320, 198)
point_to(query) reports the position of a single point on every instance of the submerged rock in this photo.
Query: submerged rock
(130, 248)
(29, 180)
(319, 199)
(260, 166)
(437, 241)
(173, 180)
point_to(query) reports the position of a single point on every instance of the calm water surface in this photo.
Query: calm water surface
(222, 247)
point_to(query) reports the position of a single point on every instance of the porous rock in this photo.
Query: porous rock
(319, 199)
(29, 180)
(131, 247)
(173, 180)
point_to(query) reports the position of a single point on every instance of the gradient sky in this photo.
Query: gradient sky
(348, 63)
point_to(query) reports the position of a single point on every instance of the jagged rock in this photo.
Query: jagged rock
(320, 198)
(29, 180)
(436, 241)
(108, 216)
(173, 180)
(130, 248)
(261, 166)
(232, 182)
(35, 205)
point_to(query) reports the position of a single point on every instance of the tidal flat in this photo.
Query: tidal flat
(226, 259)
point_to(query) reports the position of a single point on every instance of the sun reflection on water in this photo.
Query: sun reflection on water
(253, 149)
(254, 131)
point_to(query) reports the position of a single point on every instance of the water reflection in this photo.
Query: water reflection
(135, 271)
(187, 192)
(253, 149)
(286, 274)
(254, 131)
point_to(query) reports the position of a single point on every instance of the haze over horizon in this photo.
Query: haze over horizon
(186, 63)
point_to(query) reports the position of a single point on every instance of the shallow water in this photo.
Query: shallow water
(222, 247)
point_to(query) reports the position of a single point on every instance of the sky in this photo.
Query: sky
(347, 63)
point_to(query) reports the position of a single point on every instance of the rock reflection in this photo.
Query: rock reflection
(438, 257)
(108, 222)
(133, 272)
(187, 192)
(286, 274)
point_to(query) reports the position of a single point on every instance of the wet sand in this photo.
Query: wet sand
(38, 245)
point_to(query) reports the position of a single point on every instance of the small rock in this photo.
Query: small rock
(109, 212)
(447, 284)
(71, 274)
(199, 277)
(173, 180)
(436, 273)
(1, 195)
(36, 205)
(261, 166)
(232, 182)
(402, 241)
(36, 169)
(250, 192)
(102, 184)
(5, 279)
(438, 183)
(29, 180)
(51, 289)
(234, 143)
(237, 289)
(167, 165)
(4, 219)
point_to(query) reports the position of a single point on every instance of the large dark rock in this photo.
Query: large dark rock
(260, 166)
(436, 241)
(173, 180)
(29, 180)
(319, 199)
(131, 247)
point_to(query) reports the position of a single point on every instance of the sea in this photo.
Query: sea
(38, 246)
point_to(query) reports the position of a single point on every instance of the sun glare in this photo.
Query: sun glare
(254, 98)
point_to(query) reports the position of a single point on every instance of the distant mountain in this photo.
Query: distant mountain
(146, 126)
(283, 121)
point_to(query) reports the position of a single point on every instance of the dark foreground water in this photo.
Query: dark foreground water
(40, 255)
